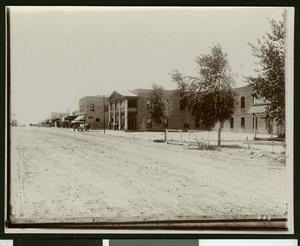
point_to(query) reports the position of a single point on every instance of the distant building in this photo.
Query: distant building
(56, 115)
(128, 111)
(76, 112)
(93, 108)
(56, 119)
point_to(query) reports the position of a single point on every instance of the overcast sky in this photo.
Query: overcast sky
(59, 55)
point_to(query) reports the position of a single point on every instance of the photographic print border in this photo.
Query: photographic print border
(128, 226)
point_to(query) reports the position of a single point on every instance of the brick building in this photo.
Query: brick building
(249, 115)
(128, 111)
(92, 107)
(181, 118)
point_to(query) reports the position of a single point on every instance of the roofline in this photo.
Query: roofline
(137, 89)
(126, 96)
(93, 97)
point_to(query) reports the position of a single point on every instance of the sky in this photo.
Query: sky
(60, 54)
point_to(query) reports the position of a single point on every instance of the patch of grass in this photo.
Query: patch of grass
(202, 147)
(159, 141)
(231, 146)
(207, 147)
(277, 139)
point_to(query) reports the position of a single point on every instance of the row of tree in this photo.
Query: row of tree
(209, 96)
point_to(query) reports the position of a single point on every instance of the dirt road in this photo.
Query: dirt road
(60, 175)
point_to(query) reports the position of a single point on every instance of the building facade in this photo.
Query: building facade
(250, 114)
(93, 109)
(56, 115)
(128, 111)
(122, 110)
(56, 119)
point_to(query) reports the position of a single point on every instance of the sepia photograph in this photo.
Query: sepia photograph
(151, 118)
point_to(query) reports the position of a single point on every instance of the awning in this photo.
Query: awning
(69, 118)
(258, 109)
(79, 118)
(54, 120)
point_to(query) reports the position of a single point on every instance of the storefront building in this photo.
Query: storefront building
(93, 109)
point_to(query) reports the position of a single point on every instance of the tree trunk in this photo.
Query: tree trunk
(165, 132)
(219, 134)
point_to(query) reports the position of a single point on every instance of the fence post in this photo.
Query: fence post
(180, 136)
(207, 140)
(167, 136)
(189, 138)
(248, 142)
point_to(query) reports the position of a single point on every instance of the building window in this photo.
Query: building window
(243, 123)
(254, 97)
(92, 108)
(242, 102)
(97, 119)
(182, 104)
(132, 103)
(254, 119)
(231, 123)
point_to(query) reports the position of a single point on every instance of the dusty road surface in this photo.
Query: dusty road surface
(60, 175)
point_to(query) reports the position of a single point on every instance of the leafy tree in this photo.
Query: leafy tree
(270, 80)
(160, 107)
(209, 95)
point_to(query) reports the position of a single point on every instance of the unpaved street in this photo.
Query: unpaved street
(60, 175)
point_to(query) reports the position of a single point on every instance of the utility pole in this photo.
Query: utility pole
(104, 114)
(254, 125)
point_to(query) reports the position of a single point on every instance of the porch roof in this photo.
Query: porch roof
(258, 109)
(120, 94)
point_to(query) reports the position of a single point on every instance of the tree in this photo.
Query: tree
(270, 80)
(209, 96)
(160, 107)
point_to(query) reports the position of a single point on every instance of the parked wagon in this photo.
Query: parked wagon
(84, 127)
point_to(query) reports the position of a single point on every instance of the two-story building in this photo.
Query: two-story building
(128, 111)
(93, 110)
(250, 114)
